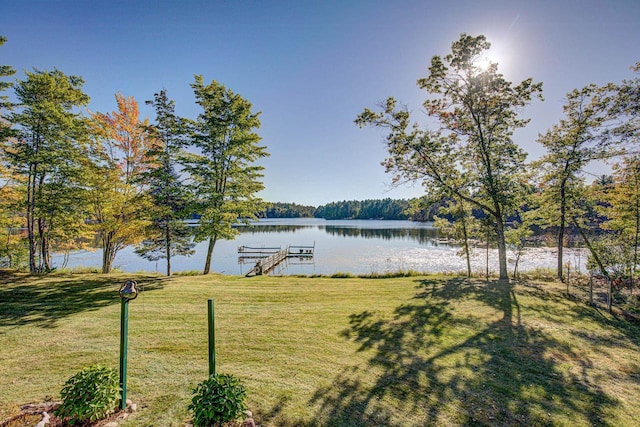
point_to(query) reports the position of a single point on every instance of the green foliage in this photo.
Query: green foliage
(632, 304)
(458, 223)
(167, 235)
(571, 144)
(48, 154)
(616, 257)
(287, 210)
(89, 395)
(224, 176)
(218, 399)
(5, 71)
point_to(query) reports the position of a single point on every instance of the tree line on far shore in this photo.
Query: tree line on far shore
(387, 209)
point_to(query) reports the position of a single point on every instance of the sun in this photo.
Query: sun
(488, 60)
(483, 63)
(492, 57)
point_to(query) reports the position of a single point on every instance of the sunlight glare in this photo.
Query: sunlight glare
(482, 63)
(491, 57)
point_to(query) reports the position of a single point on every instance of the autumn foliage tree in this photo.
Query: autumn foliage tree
(119, 203)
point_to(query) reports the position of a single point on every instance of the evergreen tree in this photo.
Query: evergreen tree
(5, 71)
(167, 235)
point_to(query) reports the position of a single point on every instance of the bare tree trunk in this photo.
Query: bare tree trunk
(466, 246)
(44, 244)
(637, 235)
(167, 245)
(30, 220)
(107, 253)
(515, 267)
(487, 255)
(563, 213)
(207, 264)
(65, 260)
(502, 249)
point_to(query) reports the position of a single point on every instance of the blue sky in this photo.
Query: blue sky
(311, 66)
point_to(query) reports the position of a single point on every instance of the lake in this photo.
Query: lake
(346, 246)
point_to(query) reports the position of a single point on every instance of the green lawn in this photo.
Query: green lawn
(318, 351)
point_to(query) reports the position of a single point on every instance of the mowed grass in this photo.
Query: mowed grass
(318, 351)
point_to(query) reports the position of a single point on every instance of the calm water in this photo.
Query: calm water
(353, 246)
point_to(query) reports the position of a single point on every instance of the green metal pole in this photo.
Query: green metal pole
(124, 332)
(212, 339)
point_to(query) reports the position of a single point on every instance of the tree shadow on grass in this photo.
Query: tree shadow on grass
(44, 300)
(431, 365)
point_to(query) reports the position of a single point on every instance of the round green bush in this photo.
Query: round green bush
(90, 395)
(218, 399)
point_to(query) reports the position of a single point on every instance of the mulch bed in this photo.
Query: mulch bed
(32, 414)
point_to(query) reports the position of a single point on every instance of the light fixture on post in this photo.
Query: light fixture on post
(127, 293)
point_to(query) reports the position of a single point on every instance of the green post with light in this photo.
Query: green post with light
(127, 293)
(212, 339)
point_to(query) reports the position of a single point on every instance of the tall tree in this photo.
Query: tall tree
(120, 207)
(622, 208)
(623, 198)
(167, 234)
(47, 149)
(571, 145)
(225, 177)
(471, 154)
(9, 193)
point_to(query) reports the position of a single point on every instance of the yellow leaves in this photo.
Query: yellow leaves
(125, 137)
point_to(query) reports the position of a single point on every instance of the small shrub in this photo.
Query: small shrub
(392, 274)
(542, 274)
(218, 399)
(90, 395)
(188, 273)
(632, 304)
(342, 275)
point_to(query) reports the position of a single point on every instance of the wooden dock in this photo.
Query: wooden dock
(270, 258)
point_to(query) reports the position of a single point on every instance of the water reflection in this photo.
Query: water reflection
(351, 246)
(421, 235)
(271, 228)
